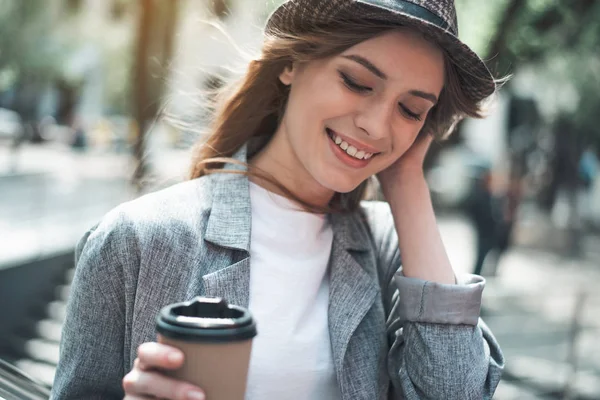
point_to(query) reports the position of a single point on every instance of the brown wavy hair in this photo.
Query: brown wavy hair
(253, 106)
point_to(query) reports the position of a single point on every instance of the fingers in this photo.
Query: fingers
(145, 381)
(421, 145)
(139, 365)
(138, 384)
(153, 355)
(424, 139)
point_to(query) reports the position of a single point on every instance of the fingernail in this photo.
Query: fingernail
(174, 357)
(195, 395)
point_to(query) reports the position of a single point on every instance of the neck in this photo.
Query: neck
(279, 161)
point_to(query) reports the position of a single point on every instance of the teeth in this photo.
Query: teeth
(351, 150)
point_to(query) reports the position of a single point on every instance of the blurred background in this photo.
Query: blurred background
(85, 86)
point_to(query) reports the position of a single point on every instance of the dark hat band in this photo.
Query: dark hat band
(413, 9)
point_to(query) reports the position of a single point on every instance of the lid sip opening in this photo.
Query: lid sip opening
(206, 319)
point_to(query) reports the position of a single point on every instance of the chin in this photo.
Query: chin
(340, 185)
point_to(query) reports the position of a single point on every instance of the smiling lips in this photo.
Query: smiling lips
(359, 154)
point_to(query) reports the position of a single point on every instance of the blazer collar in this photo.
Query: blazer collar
(229, 222)
(349, 230)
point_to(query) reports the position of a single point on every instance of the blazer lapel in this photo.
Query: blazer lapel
(231, 283)
(353, 291)
(228, 228)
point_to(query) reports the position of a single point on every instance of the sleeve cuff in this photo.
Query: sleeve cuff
(436, 303)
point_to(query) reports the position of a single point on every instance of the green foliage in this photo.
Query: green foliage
(38, 42)
(26, 47)
(558, 39)
(478, 22)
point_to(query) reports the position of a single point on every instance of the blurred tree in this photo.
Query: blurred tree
(558, 40)
(28, 59)
(156, 30)
(553, 47)
(561, 40)
(480, 22)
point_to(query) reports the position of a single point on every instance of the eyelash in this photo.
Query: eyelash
(355, 87)
(352, 85)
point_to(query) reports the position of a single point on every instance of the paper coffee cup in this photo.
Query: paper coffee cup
(216, 339)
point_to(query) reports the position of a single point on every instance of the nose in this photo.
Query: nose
(374, 118)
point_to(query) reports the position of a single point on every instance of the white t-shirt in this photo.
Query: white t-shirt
(289, 293)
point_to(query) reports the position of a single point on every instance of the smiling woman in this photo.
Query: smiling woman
(371, 108)
(353, 299)
(344, 51)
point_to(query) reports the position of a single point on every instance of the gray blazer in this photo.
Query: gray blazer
(392, 337)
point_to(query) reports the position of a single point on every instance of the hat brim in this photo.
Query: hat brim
(296, 16)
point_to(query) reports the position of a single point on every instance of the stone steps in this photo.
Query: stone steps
(39, 354)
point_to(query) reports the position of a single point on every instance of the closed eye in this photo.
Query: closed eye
(355, 87)
(406, 111)
(352, 85)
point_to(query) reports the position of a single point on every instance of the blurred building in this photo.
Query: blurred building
(96, 72)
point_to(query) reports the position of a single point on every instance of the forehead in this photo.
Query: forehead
(403, 54)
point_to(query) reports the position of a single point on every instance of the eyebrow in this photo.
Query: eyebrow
(380, 74)
(424, 95)
(367, 64)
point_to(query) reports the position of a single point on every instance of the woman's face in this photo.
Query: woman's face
(351, 116)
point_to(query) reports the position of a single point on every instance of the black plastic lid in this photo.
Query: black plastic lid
(206, 319)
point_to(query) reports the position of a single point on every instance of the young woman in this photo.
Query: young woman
(272, 219)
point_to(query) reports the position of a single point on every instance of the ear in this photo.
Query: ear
(287, 76)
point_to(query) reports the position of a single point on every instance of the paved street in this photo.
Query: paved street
(530, 305)
(57, 194)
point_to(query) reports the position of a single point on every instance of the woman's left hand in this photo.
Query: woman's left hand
(408, 167)
(405, 189)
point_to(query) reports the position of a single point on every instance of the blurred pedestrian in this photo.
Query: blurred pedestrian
(485, 211)
(588, 167)
(508, 204)
(353, 299)
(588, 172)
(19, 137)
(79, 138)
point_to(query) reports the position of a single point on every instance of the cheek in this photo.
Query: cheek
(402, 141)
(319, 96)
(303, 107)
(311, 105)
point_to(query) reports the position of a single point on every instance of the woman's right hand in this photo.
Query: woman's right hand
(145, 381)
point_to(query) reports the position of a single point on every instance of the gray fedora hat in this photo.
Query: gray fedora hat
(435, 19)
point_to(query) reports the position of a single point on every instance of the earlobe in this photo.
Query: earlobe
(287, 75)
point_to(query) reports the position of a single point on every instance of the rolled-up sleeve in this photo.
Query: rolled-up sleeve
(436, 303)
(439, 348)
